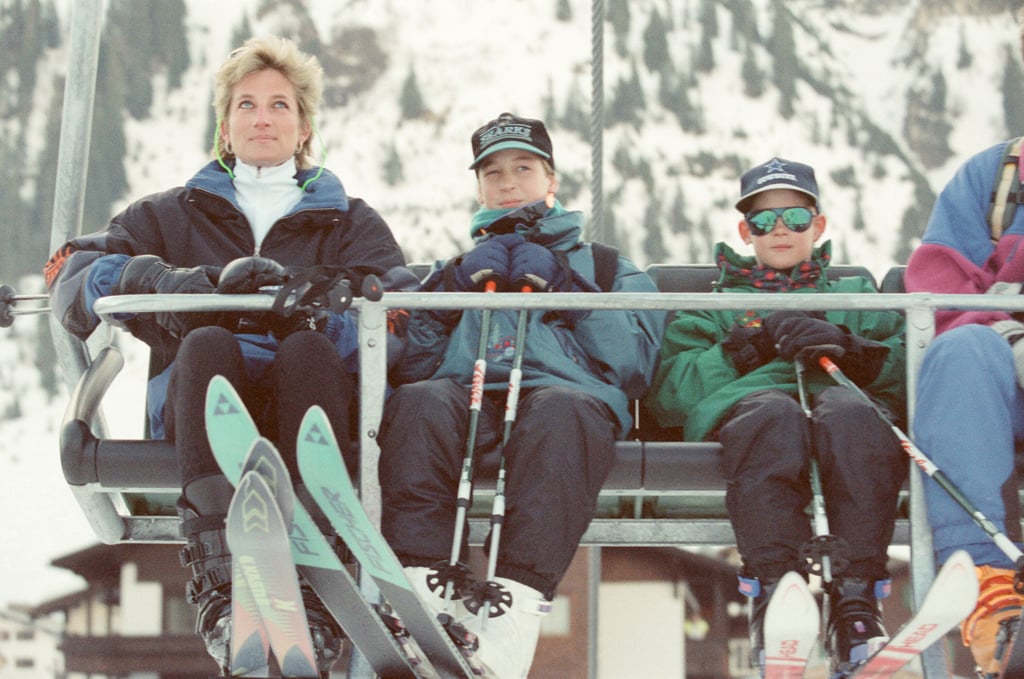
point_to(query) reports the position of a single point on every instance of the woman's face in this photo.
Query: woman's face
(263, 125)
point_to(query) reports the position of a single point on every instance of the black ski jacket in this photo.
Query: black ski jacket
(202, 223)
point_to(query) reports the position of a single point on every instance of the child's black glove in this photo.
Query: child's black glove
(748, 347)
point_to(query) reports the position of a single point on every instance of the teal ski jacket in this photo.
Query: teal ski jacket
(610, 354)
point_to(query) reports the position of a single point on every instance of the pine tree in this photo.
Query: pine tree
(786, 64)
(654, 242)
(705, 58)
(677, 220)
(410, 100)
(563, 11)
(709, 18)
(1013, 94)
(46, 360)
(753, 76)
(393, 173)
(656, 54)
(964, 57)
(617, 14)
(627, 100)
(576, 117)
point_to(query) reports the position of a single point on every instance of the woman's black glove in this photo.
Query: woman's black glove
(249, 274)
(748, 347)
(148, 274)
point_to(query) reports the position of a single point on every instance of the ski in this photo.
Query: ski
(250, 643)
(231, 431)
(257, 533)
(1013, 664)
(791, 625)
(324, 474)
(949, 600)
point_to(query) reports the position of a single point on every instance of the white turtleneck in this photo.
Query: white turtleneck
(266, 194)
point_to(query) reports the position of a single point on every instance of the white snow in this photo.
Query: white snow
(472, 61)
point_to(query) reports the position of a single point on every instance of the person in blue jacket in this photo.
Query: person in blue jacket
(580, 370)
(259, 207)
(970, 405)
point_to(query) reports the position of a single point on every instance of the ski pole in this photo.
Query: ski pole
(489, 593)
(931, 469)
(820, 518)
(465, 492)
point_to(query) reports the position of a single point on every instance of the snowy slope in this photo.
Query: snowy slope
(472, 61)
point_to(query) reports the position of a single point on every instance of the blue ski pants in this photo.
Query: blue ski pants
(969, 412)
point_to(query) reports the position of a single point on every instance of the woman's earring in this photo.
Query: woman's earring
(227, 147)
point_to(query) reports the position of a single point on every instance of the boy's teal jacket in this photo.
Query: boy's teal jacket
(696, 383)
(610, 354)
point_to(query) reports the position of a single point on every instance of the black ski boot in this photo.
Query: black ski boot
(760, 591)
(324, 631)
(854, 631)
(203, 509)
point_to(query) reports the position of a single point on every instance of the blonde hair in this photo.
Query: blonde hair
(281, 54)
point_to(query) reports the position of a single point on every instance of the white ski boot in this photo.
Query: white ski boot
(509, 639)
(421, 578)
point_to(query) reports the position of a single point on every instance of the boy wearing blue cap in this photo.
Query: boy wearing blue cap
(580, 369)
(730, 376)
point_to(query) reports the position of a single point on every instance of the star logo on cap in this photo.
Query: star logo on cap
(775, 165)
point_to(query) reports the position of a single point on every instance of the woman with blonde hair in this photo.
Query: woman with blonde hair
(258, 207)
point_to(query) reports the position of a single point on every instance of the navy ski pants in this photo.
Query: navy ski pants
(306, 371)
(767, 442)
(969, 412)
(560, 451)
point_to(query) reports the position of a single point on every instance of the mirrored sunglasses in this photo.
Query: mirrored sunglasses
(796, 219)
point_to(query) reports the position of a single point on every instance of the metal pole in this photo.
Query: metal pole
(73, 158)
(597, 122)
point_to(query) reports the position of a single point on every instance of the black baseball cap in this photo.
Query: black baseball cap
(511, 132)
(777, 173)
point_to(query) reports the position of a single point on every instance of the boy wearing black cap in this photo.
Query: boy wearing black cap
(730, 376)
(579, 371)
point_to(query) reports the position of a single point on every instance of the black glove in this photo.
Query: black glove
(488, 261)
(283, 326)
(859, 358)
(148, 274)
(793, 333)
(535, 266)
(748, 347)
(249, 274)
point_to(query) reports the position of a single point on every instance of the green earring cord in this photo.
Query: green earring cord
(216, 149)
(323, 155)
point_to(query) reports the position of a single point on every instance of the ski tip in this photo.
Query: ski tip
(219, 393)
(792, 581)
(960, 559)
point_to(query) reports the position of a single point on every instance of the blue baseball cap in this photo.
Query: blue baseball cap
(777, 173)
